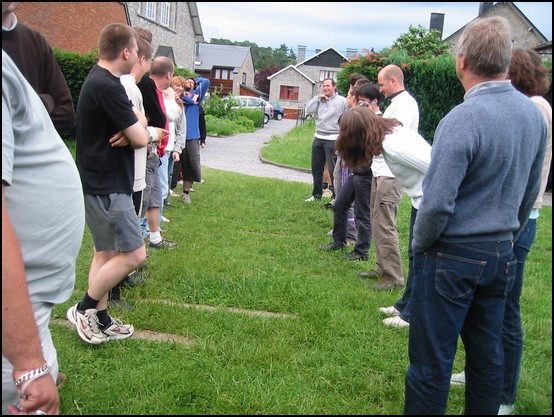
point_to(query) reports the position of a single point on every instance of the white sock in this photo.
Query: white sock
(155, 237)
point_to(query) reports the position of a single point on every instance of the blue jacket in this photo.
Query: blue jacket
(192, 111)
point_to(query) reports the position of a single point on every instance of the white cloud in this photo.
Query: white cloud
(341, 25)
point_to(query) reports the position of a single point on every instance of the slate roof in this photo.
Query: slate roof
(226, 56)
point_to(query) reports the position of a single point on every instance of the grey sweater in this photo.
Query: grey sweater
(485, 169)
(326, 114)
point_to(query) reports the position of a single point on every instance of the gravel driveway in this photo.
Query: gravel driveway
(241, 153)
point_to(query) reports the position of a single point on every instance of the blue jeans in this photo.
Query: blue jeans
(403, 304)
(512, 335)
(458, 290)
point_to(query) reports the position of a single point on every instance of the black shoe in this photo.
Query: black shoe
(329, 205)
(121, 304)
(356, 256)
(163, 244)
(332, 246)
(133, 279)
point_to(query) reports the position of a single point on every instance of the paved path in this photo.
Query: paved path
(241, 153)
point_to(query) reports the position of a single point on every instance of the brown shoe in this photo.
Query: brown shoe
(387, 284)
(60, 379)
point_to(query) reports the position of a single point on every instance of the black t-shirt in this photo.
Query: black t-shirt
(103, 110)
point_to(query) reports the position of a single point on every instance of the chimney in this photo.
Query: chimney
(351, 53)
(301, 53)
(437, 23)
(317, 51)
(484, 7)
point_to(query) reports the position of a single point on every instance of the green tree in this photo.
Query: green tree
(421, 43)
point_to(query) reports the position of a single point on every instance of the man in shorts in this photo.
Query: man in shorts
(106, 164)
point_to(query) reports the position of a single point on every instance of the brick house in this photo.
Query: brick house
(526, 35)
(175, 27)
(294, 85)
(72, 26)
(230, 68)
(76, 26)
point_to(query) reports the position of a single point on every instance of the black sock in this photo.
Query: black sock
(115, 292)
(87, 303)
(104, 318)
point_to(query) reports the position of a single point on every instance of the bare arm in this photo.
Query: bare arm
(137, 135)
(20, 339)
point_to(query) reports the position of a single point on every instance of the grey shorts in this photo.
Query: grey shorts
(113, 222)
(190, 161)
(152, 194)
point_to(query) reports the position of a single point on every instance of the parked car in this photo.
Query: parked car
(278, 113)
(256, 103)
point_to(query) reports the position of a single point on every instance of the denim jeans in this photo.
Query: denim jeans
(403, 304)
(458, 290)
(512, 335)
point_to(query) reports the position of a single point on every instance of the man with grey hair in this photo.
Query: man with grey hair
(481, 185)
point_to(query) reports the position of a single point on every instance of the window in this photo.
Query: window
(288, 93)
(327, 74)
(151, 10)
(164, 15)
(222, 74)
(244, 78)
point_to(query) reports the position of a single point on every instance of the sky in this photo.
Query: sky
(359, 26)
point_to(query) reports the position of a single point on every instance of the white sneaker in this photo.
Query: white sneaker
(458, 379)
(396, 321)
(165, 220)
(506, 410)
(87, 325)
(309, 200)
(173, 193)
(118, 330)
(391, 311)
(327, 193)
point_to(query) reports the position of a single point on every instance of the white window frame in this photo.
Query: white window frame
(165, 13)
(150, 10)
(323, 74)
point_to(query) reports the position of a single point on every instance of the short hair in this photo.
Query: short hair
(367, 90)
(355, 78)
(144, 33)
(486, 43)
(391, 71)
(329, 79)
(144, 48)
(161, 66)
(528, 73)
(114, 38)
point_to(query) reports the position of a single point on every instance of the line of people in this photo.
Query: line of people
(472, 220)
(122, 124)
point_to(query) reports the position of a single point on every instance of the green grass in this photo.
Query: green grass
(293, 149)
(252, 244)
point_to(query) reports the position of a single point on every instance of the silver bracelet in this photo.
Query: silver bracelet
(32, 375)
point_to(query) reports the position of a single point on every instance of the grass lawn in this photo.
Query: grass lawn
(272, 325)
